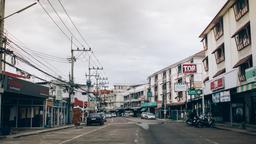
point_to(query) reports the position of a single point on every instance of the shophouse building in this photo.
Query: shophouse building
(134, 98)
(230, 48)
(170, 85)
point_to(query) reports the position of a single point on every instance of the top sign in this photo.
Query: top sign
(189, 68)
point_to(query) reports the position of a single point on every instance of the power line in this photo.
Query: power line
(74, 24)
(71, 33)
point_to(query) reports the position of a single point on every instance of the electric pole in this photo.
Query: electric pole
(71, 77)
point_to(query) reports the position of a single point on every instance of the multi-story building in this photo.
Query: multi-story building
(169, 86)
(135, 96)
(230, 47)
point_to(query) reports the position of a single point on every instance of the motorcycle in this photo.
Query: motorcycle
(193, 121)
(206, 121)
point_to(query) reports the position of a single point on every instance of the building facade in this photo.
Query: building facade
(169, 86)
(229, 43)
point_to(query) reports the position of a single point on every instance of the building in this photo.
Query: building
(23, 102)
(169, 86)
(134, 98)
(230, 48)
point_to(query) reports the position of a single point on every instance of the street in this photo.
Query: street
(133, 131)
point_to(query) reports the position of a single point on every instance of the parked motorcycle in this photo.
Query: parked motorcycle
(193, 121)
(206, 121)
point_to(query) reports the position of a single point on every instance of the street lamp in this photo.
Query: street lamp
(21, 10)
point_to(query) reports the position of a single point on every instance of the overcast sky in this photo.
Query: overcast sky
(131, 38)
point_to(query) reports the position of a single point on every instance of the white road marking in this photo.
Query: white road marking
(136, 141)
(78, 136)
(143, 125)
(212, 142)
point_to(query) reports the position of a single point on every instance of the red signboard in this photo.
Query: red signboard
(217, 84)
(189, 68)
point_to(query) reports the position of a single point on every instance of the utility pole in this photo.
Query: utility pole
(71, 77)
(96, 75)
(2, 10)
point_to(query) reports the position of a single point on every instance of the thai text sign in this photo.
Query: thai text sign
(250, 74)
(217, 84)
(189, 68)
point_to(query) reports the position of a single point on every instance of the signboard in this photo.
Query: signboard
(149, 93)
(217, 84)
(250, 74)
(225, 96)
(180, 87)
(14, 85)
(189, 68)
(216, 97)
(194, 92)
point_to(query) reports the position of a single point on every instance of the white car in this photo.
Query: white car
(113, 114)
(150, 116)
(108, 115)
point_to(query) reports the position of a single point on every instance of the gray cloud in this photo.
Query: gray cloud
(132, 38)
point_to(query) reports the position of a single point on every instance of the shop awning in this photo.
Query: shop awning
(242, 61)
(246, 87)
(149, 104)
(219, 72)
(143, 109)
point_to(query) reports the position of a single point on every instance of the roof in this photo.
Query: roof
(220, 14)
(200, 54)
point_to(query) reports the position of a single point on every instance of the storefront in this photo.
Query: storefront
(245, 106)
(23, 103)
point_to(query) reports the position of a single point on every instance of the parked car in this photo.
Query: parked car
(103, 115)
(143, 115)
(95, 118)
(150, 116)
(113, 114)
(108, 115)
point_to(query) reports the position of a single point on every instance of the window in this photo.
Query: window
(179, 69)
(164, 76)
(205, 62)
(218, 29)
(240, 8)
(180, 80)
(242, 68)
(205, 43)
(219, 54)
(243, 37)
(156, 78)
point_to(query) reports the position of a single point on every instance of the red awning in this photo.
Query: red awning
(80, 103)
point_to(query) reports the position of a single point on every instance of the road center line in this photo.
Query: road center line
(78, 136)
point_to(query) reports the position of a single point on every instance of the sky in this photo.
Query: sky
(131, 38)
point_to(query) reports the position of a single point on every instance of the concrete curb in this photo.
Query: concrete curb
(38, 132)
(236, 130)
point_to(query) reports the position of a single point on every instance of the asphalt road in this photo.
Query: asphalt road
(136, 131)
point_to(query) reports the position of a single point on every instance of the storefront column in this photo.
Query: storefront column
(0, 110)
(31, 116)
(231, 114)
(58, 116)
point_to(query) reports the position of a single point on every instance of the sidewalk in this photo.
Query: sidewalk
(34, 131)
(250, 130)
